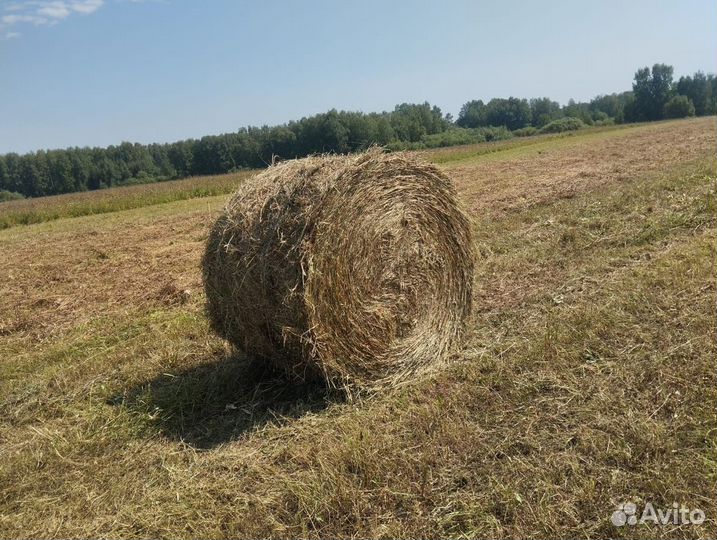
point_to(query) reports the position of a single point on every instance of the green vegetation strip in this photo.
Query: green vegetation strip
(30, 211)
(42, 209)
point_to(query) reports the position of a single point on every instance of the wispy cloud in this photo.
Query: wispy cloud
(44, 12)
(54, 10)
(86, 6)
(48, 12)
(9, 20)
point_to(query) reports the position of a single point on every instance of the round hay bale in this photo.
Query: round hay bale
(355, 269)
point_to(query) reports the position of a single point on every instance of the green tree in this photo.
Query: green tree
(712, 103)
(472, 114)
(180, 156)
(698, 90)
(29, 178)
(81, 166)
(679, 107)
(277, 141)
(160, 159)
(652, 90)
(104, 173)
(578, 110)
(410, 121)
(612, 105)
(60, 169)
(512, 113)
(42, 170)
(543, 111)
(4, 175)
(12, 165)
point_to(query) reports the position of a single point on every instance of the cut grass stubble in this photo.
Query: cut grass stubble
(588, 379)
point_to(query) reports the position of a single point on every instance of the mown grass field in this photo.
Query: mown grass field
(588, 377)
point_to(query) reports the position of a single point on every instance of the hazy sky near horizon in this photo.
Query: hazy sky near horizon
(98, 72)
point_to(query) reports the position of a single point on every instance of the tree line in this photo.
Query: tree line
(654, 96)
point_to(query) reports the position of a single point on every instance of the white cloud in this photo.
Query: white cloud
(9, 20)
(48, 12)
(54, 10)
(45, 12)
(87, 6)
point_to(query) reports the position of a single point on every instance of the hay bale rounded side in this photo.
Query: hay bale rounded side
(355, 269)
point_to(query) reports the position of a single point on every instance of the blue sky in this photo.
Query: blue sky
(98, 72)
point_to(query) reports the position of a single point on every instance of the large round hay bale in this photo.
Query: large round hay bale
(356, 269)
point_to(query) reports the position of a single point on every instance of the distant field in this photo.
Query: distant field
(37, 210)
(588, 378)
(468, 151)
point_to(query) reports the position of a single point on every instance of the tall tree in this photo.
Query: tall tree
(543, 111)
(472, 114)
(652, 90)
(512, 113)
(60, 169)
(698, 89)
(4, 175)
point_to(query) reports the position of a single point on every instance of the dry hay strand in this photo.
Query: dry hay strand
(356, 269)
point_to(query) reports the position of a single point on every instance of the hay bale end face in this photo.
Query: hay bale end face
(356, 269)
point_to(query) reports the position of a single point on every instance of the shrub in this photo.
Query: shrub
(397, 146)
(679, 107)
(525, 132)
(569, 123)
(495, 133)
(6, 195)
(606, 122)
(454, 137)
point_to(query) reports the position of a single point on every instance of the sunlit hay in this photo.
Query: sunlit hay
(356, 269)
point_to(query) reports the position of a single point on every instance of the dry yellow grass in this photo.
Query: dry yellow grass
(588, 378)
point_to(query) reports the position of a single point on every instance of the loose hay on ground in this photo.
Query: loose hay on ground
(354, 269)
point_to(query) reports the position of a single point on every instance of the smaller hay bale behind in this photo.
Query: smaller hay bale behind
(356, 269)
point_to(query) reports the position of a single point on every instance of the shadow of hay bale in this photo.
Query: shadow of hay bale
(211, 404)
